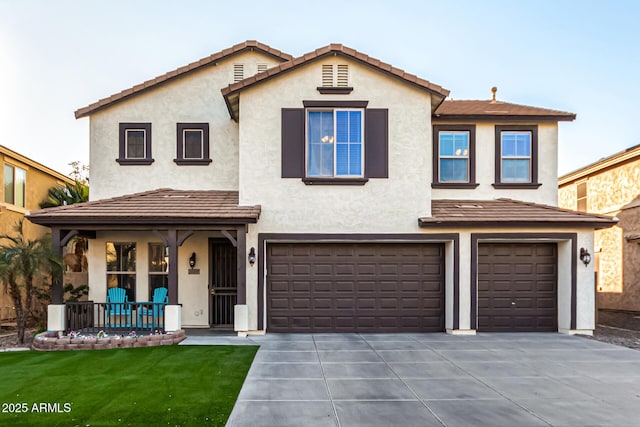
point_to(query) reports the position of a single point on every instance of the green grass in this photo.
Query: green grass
(169, 385)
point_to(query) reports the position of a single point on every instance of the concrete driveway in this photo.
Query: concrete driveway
(436, 379)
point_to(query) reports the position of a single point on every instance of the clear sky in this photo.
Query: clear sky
(578, 56)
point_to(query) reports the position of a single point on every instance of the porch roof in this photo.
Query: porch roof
(161, 206)
(508, 212)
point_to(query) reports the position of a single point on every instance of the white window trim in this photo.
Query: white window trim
(184, 144)
(465, 157)
(126, 143)
(335, 157)
(503, 157)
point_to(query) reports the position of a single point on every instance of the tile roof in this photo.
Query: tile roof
(180, 72)
(489, 109)
(605, 163)
(162, 206)
(508, 212)
(231, 92)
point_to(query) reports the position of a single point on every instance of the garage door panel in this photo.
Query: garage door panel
(356, 287)
(517, 287)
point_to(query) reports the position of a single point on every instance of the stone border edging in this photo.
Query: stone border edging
(49, 341)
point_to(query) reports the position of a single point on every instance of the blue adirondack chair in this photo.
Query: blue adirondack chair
(160, 298)
(117, 307)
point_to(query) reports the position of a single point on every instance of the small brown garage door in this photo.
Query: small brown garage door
(517, 287)
(364, 287)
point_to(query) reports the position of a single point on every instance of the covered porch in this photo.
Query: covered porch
(193, 243)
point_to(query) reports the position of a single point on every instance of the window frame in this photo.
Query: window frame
(181, 128)
(123, 160)
(335, 177)
(130, 291)
(582, 200)
(533, 164)
(471, 158)
(164, 265)
(14, 184)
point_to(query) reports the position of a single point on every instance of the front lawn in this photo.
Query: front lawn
(165, 385)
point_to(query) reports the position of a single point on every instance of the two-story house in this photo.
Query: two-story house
(611, 186)
(25, 184)
(329, 192)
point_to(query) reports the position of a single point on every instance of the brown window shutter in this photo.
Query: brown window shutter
(376, 140)
(293, 143)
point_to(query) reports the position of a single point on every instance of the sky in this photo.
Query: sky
(580, 56)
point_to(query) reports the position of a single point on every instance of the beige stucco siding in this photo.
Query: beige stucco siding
(485, 169)
(194, 98)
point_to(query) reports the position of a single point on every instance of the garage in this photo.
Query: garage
(355, 287)
(517, 287)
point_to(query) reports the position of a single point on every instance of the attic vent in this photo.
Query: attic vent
(262, 68)
(327, 75)
(343, 75)
(238, 72)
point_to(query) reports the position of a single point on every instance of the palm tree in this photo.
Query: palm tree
(21, 262)
(68, 194)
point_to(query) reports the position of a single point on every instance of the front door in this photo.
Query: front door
(223, 289)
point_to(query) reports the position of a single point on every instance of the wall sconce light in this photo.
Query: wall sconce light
(192, 260)
(252, 256)
(585, 256)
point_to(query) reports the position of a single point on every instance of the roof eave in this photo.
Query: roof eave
(502, 118)
(444, 223)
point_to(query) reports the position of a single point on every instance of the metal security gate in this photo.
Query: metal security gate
(223, 291)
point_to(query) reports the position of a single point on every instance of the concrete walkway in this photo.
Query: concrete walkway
(436, 379)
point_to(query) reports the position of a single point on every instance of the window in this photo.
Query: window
(454, 156)
(581, 196)
(516, 157)
(335, 143)
(158, 267)
(340, 156)
(15, 182)
(193, 144)
(135, 144)
(121, 267)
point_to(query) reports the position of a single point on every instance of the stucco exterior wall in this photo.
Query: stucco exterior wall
(613, 191)
(194, 98)
(485, 169)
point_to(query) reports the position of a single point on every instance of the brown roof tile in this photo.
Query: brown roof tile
(162, 206)
(488, 109)
(331, 49)
(508, 212)
(179, 72)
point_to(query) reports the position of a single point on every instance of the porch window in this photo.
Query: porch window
(121, 267)
(158, 267)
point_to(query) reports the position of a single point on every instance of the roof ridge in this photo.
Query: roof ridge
(179, 72)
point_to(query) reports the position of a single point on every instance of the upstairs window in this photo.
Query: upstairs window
(135, 144)
(15, 185)
(335, 143)
(516, 157)
(581, 196)
(192, 144)
(454, 156)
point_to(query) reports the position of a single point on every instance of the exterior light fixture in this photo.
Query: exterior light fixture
(192, 260)
(252, 256)
(585, 256)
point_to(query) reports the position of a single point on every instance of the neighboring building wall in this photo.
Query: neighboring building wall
(613, 191)
(194, 98)
(38, 181)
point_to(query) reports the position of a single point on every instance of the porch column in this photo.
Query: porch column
(172, 243)
(56, 293)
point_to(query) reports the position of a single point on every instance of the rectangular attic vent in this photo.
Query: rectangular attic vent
(327, 75)
(238, 72)
(262, 68)
(343, 76)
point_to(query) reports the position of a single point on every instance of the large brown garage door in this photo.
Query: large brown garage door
(363, 287)
(517, 287)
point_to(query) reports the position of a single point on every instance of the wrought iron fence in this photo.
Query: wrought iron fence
(114, 318)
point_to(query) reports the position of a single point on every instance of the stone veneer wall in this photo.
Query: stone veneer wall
(49, 341)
